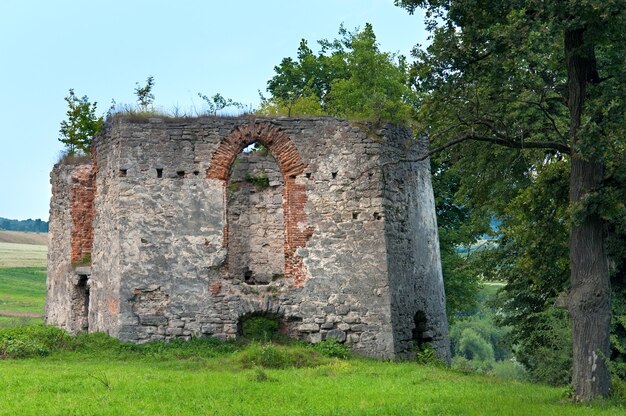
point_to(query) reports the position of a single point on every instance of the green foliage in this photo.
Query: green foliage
(277, 356)
(81, 125)
(260, 181)
(349, 77)
(510, 369)
(459, 226)
(474, 347)
(308, 106)
(217, 103)
(29, 225)
(501, 78)
(261, 328)
(427, 355)
(144, 94)
(31, 341)
(547, 350)
(491, 344)
(332, 348)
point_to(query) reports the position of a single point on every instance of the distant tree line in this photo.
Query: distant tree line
(30, 225)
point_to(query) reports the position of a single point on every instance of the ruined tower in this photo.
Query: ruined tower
(185, 227)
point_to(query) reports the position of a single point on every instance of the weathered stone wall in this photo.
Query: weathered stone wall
(415, 278)
(331, 250)
(69, 244)
(255, 237)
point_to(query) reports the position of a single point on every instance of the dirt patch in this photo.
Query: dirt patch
(17, 237)
(14, 314)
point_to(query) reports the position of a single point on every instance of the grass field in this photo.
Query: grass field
(23, 258)
(23, 255)
(107, 378)
(23, 289)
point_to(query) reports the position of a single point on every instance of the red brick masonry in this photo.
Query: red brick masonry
(297, 231)
(82, 196)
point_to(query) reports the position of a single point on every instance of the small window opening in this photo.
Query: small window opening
(123, 172)
(159, 172)
(180, 173)
(377, 216)
(334, 175)
(81, 303)
(421, 334)
(355, 215)
(308, 175)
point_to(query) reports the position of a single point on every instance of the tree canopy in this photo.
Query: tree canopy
(349, 77)
(547, 81)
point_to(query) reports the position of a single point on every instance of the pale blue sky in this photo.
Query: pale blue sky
(102, 48)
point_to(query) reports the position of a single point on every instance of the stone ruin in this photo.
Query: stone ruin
(178, 228)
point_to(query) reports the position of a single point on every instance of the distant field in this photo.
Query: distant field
(23, 259)
(17, 237)
(23, 255)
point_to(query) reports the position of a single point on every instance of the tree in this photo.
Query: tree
(81, 125)
(548, 80)
(217, 103)
(349, 77)
(144, 94)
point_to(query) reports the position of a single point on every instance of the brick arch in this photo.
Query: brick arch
(297, 231)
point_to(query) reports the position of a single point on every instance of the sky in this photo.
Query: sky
(102, 49)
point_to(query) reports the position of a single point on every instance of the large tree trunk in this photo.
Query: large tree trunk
(590, 292)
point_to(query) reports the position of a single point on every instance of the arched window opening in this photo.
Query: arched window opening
(256, 227)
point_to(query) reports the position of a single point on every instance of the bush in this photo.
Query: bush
(426, 355)
(462, 364)
(509, 369)
(332, 348)
(474, 347)
(32, 340)
(277, 356)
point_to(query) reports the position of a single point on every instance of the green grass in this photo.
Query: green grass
(10, 321)
(23, 289)
(93, 374)
(23, 255)
(98, 375)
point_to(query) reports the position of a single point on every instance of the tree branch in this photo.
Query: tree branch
(499, 141)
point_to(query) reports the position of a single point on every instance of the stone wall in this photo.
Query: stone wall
(188, 241)
(255, 231)
(416, 282)
(69, 244)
